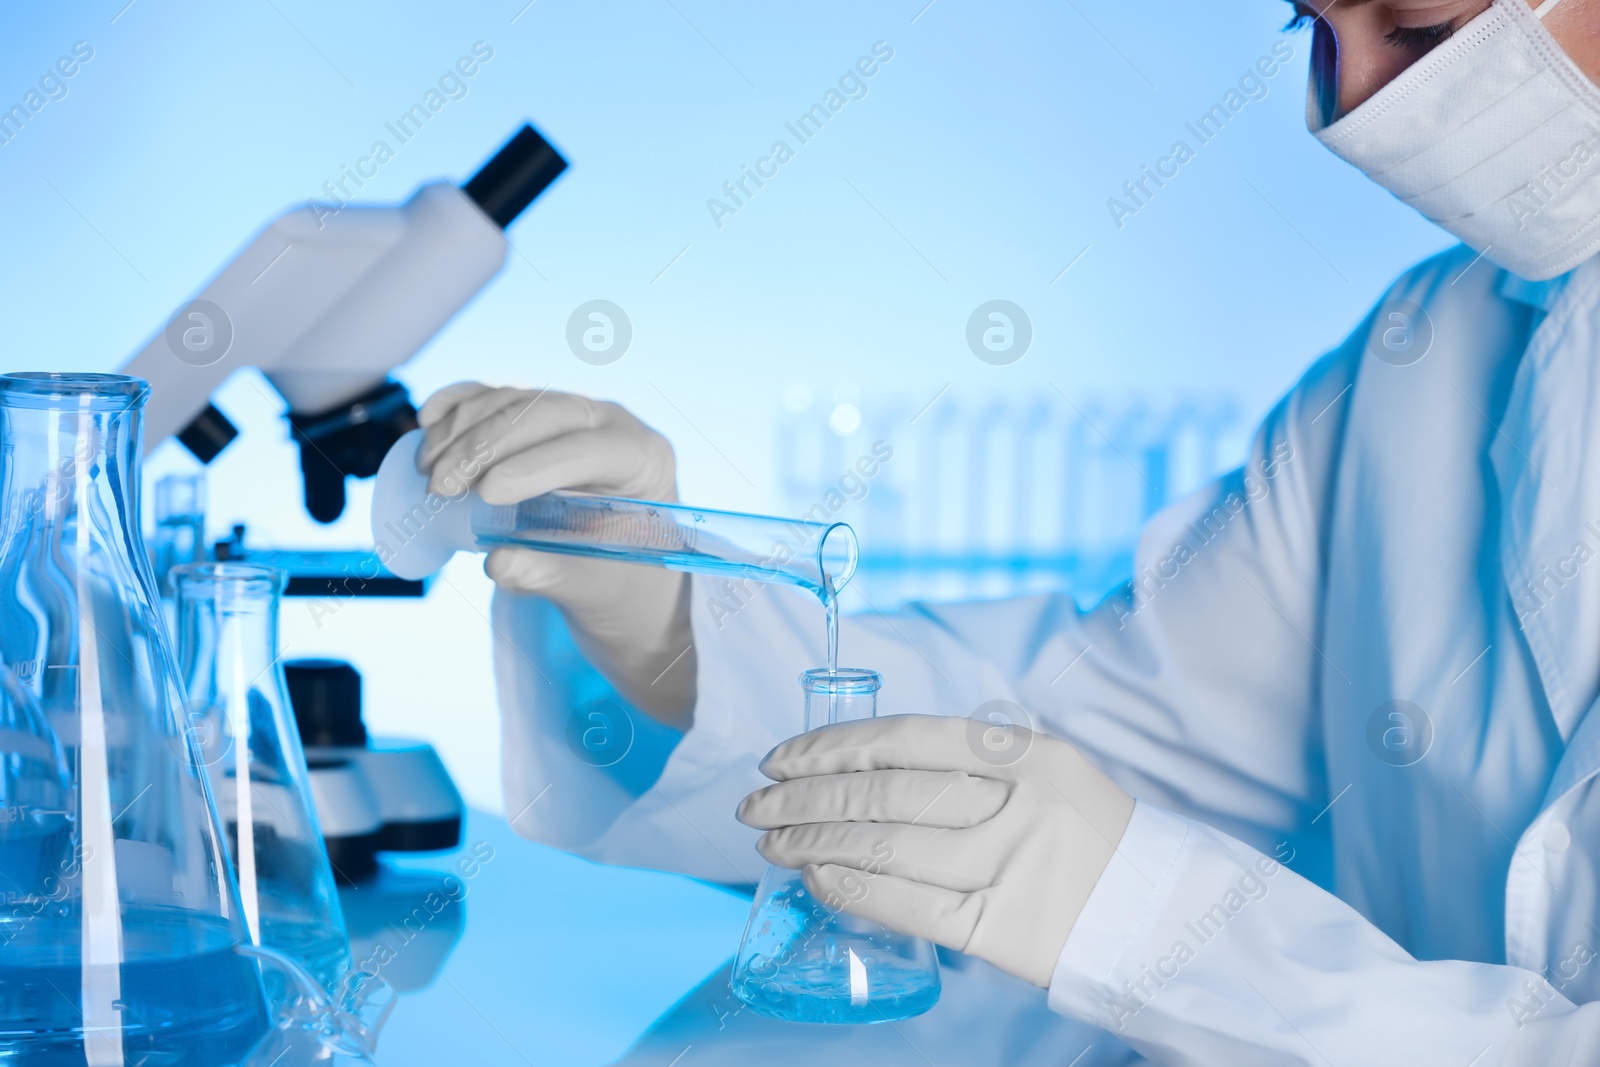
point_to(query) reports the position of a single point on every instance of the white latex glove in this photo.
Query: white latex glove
(630, 621)
(928, 825)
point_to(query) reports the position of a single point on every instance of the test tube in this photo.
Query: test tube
(415, 532)
(817, 556)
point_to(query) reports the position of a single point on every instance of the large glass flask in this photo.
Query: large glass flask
(803, 959)
(119, 918)
(239, 713)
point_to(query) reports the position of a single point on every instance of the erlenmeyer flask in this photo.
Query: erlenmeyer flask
(180, 532)
(119, 919)
(34, 832)
(803, 959)
(228, 654)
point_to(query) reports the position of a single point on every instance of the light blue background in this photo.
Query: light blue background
(978, 166)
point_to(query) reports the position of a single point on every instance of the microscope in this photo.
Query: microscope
(325, 303)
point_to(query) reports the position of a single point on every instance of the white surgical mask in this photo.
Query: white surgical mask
(1494, 136)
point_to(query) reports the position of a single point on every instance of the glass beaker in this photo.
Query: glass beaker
(119, 918)
(238, 711)
(803, 959)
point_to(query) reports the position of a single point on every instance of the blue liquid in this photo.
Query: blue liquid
(315, 944)
(801, 962)
(34, 846)
(811, 993)
(187, 998)
(294, 887)
(673, 559)
(750, 547)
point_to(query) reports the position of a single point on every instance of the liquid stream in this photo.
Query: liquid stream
(830, 604)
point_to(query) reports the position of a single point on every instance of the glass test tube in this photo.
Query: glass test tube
(817, 556)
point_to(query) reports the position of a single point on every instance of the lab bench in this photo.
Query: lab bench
(505, 952)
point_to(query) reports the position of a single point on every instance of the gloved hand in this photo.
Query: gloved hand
(630, 621)
(920, 823)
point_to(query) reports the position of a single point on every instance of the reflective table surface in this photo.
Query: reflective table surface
(507, 952)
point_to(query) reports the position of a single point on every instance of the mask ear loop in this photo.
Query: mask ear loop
(1325, 69)
(1545, 8)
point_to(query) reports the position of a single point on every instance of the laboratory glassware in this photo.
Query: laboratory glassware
(239, 715)
(180, 531)
(416, 532)
(120, 922)
(804, 959)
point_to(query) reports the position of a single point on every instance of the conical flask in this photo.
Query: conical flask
(803, 959)
(119, 918)
(180, 530)
(239, 712)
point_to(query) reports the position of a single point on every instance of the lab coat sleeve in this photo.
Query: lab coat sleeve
(1195, 685)
(1197, 949)
(658, 799)
(1192, 686)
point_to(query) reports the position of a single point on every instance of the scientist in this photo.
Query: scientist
(1372, 654)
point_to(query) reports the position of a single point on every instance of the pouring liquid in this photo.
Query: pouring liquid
(830, 604)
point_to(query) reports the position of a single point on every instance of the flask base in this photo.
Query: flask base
(804, 961)
(185, 996)
(895, 993)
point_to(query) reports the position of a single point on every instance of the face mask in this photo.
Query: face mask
(1494, 135)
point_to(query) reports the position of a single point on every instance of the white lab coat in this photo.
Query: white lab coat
(1427, 534)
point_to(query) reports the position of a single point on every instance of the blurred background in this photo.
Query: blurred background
(999, 152)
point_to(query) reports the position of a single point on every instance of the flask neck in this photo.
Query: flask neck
(840, 695)
(70, 474)
(70, 539)
(227, 616)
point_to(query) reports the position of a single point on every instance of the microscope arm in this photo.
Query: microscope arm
(326, 302)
